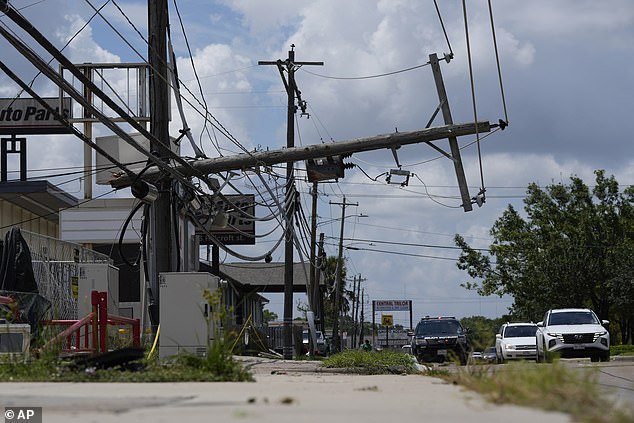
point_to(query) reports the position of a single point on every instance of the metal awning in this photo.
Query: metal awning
(39, 197)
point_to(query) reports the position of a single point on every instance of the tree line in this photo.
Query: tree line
(572, 247)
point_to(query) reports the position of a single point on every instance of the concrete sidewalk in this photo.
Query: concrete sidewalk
(283, 392)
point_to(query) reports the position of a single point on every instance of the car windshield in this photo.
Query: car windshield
(572, 318)
(438, 327)
(519, 331)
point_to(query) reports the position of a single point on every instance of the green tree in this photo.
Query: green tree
(330, 276)
(269, 316)
(574, 248)
(482, 330)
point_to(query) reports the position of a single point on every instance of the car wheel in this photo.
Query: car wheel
(605, 356)
(538, 356)
(548, 357)
(594, 358)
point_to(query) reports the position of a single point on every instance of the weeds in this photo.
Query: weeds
(553, 387)
(379, 362)
(217, 366)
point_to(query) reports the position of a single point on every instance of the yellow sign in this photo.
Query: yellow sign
(387, 320)
(74, 286)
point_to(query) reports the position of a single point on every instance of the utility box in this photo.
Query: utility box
(15, 341)
(101, 277)
(185, 315)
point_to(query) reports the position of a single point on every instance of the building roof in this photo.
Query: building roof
(39, 197)
(266, 277)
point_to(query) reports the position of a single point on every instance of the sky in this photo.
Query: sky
(566, 71)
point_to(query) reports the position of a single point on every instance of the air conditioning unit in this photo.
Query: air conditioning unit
(101, 277)
(15, 341)
(123, 152)
(185, 315)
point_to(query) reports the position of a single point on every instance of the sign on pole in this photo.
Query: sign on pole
(392, 305)
(387, 320)
(240, 229)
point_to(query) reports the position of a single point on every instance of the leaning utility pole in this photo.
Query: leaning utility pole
(290, 65)
(160, 229)
(313, 151)
(338, 284)
(453, 141)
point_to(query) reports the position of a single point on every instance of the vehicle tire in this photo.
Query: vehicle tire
(605, 356)
(594, 358)
(538, 356)
(463, 359)
(548, 357)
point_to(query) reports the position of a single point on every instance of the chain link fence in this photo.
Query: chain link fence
(56, 268)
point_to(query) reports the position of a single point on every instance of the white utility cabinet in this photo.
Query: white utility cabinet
(185, 315)
(97, 277)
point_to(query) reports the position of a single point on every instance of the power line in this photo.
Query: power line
(368, 76)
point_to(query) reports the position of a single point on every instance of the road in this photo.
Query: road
(292, 391)
(615, 377)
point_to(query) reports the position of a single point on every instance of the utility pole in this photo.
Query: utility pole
(362, 318)
(453, 141)
(313, 254)
(357, 300)
(318, 297)
(354, 304)
(160, 244)
(290, 66)
(314, 151)
(338, 283)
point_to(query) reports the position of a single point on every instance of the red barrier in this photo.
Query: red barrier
(98, 321)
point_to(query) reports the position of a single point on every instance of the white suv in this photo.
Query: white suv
(514, 341)
(572, 332)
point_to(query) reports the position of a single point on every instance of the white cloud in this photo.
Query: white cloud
(83, 48)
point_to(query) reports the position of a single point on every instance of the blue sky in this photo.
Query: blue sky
(567, 71)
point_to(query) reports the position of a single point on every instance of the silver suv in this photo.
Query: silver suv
(572, 332)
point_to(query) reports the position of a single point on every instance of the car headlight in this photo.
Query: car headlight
(553, 334)
(509, 346)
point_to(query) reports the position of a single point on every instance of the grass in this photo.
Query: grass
(551, 387)
(182, 368)
(621, 350)
(372, 362)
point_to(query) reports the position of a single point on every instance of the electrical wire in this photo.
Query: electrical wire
(61, 49)
(442, 24)
(191, 59)
(401, 253)
(497, 60)
(473, 97)
(368, 76)
(220, 127)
